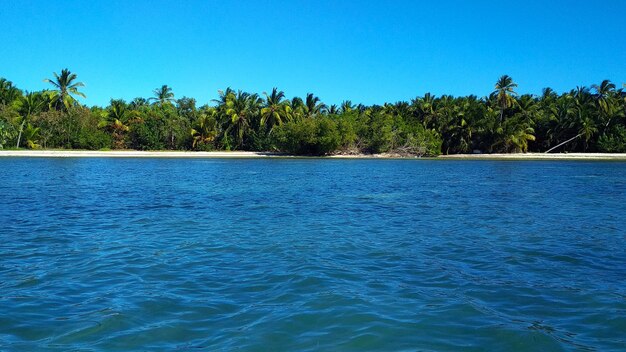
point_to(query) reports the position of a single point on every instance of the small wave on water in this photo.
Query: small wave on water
(312, 255)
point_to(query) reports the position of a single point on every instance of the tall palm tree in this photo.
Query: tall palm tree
(162, 95)
(65, 87)
(504, 94)
(275, 112)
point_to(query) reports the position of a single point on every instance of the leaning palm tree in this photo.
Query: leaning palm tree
(274, 111)
(579, 117)
(65, 88)
(162, 95)
(504, 94)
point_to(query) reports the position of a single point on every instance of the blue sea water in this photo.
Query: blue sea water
(312, 255)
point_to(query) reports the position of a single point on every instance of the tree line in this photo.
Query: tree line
(581, 120)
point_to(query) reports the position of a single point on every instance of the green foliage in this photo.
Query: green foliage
(146, 134)
(205, 130)
(31, 136)
(7, 134)
(308, 136)
(580, 120)
(614, 142)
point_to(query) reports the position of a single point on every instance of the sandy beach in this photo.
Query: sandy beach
(247, 154)
(133, 154)
(537, 156)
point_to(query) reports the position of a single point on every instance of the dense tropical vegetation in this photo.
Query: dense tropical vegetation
(581, 120)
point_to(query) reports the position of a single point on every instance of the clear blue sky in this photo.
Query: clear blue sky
(366, 51)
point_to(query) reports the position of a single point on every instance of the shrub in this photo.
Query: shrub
(309, 136)
(614, 142)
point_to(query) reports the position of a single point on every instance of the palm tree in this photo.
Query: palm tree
(66, 88)
(31, 135)
(163, 95)
(504, 94)
(424, 108)
(274, 112)
(313, 105)
(604, 91)
(223, 96)
(118, 116)
(239, 110)
(205, 130)
(31, 104)
(8, 93)
(346, 106)
(584, 120)
(579, 118)
(297, 107)
(605, 97)
(556, 114)
(514, 135)
(138, 103)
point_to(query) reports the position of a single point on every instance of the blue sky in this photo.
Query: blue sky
(366, 51)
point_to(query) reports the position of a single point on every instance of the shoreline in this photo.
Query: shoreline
(135, 154)
(249, 155)
(537, 156)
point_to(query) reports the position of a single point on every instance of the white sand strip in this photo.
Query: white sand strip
(245, 154)
(132, 154)
(538, 156)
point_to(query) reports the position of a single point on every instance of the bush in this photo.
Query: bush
(318, 136)
(614, 142)
(145, 135)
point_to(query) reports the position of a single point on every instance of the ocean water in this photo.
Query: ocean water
(312, 255)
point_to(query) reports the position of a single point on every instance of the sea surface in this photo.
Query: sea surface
(312, 255)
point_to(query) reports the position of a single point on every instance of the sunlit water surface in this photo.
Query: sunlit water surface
(312, 254)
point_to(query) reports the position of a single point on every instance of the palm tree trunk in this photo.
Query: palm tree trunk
(560, 144)
(19, 136)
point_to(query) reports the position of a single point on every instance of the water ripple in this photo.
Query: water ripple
(106, 255)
